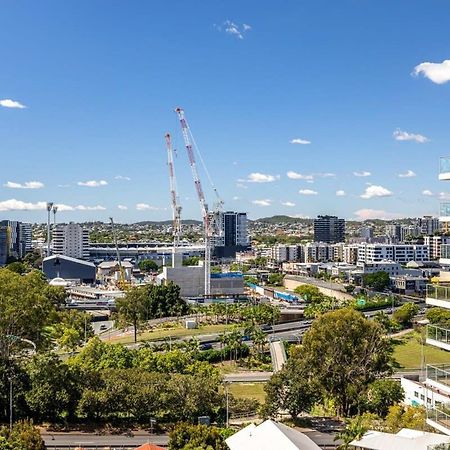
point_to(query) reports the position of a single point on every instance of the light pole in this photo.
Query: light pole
(55, 210)
(49, 208)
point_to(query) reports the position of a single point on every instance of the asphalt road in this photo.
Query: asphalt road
(56, 441)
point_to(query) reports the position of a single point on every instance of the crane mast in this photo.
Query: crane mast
(208, 231)
(176, 207)
(119, 260)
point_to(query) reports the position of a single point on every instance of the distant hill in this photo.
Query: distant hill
(282, 219)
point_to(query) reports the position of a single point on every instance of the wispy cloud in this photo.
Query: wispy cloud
(290, 204)
(400, 135)
(438, 73)
(427, 193)
(340, 193)
(307, 192)
(236, 198)
(298, 176)
(366, 214)
(407, 174)
(121, 177)
(234, 29)
(122, 207)
(241, 186)
(93, 183)
(26, 185)
(265, 202)
(363, 173)
(8, 103)
(299, 141)
(145, 207)
(257, 177)
(376, 191)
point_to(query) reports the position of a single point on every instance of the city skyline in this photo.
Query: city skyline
(301, 110)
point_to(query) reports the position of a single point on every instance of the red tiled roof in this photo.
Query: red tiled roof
(149, 447)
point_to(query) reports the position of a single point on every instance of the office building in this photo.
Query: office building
(16, 238)
(4, 244)
(232, 234)
(71, 240)
(329, 229)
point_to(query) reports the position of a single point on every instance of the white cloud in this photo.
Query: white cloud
(298, 176)
(340, 193)
(122, 207)
(18, 205)
(8, 103)
(93, 183)
(376, 191)
(265, 202)
(427, 193)
(407, 174)
(365, 214)
(364, 173)
(307, 192)
(299, 141)
(90, 208)
(234, 29)
(438, 73)
(145, 207)
(290, 204)
(26, 185)
(241, 186)
(121, 177)
(400, 135)
(326, 175)
(256, 177)
(236, 198)
(444, 196)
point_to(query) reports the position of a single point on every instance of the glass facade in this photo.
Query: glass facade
(444, 164)
(438, 292)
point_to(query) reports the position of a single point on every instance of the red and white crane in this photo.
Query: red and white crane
(208, 223)
(176, 207)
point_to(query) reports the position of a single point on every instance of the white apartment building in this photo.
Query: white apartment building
(284, 253)
(401, 253)
(434, 244)
(350, 253)
(71, 240)
(317, 252)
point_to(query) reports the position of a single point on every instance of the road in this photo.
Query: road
(56, 441)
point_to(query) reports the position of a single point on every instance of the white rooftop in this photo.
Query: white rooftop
(69, 258)
(270, 435)
(405, 439)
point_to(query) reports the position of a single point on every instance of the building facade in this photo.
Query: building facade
(71, 240)
(233, 234)
(400, 253)
(329, 229)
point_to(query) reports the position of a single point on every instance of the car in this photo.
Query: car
(206, 346)
(266, 327)
(245, 338)
(103, 327)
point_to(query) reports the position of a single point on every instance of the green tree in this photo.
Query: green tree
(186, 436)
(23, 436)
(400, 416)
(405, 314)
(378, 281)
(147, 265)
(355, 428)
(345, 352)
(132, 309)
(439, 317)
(72, 329)
(191, 261)
(382, 394)
(276, 279)
(309, 293)
(17, 267)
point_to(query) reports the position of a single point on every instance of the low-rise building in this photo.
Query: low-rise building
(70, 269)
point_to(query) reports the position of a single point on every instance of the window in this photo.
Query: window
(422, 397)
(416, 394)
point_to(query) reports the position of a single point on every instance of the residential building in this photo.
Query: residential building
(317, 252)
(409, 232)
(16, 239)
(282, 253)
(401, 253)
(350, 254)
(428, 225)
(4, 244)
(27, 236)
(366, 233)
(434, 244)
(71, 240)
(233, 234)
(329, 229)
(393, 232)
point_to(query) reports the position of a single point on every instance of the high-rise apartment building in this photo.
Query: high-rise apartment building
(233, 234)
(16, 238)
(4, 244)
(329, 229)
(27, 236)
(428, 225)
(71, 240)
(393, 232)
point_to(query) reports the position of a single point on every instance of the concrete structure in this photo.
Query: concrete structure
(350, 254)
(435, 244)
(366, 233)
(401, 253)
(27, 236)
(393, 232)
(406, 284)
(4, 244)
(109, 270)
(270, 435)
(283, 253)
(317, 252)
(428, 225)
(15, 238)
(60, 266)
(329, 229)
(405, 439)
(71, 240)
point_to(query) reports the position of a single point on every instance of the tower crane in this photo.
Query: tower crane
(176, 207)
(209, 222)
(122, 280)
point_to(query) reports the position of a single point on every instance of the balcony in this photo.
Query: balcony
(438, 377)
(439, 418)
(444, 168)
(438, 337)
(438, 295)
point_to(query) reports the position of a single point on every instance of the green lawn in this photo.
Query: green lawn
(408, 353)
(174, 333)
(248, 390)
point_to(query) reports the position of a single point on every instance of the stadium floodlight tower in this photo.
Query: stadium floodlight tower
(55, 210)
(49, 209)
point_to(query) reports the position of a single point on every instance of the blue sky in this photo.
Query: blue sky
(100, 79)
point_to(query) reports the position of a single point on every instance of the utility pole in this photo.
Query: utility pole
(49, 209)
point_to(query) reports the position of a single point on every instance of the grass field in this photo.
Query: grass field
(174, 333)
(248, 390)
(408, 353)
